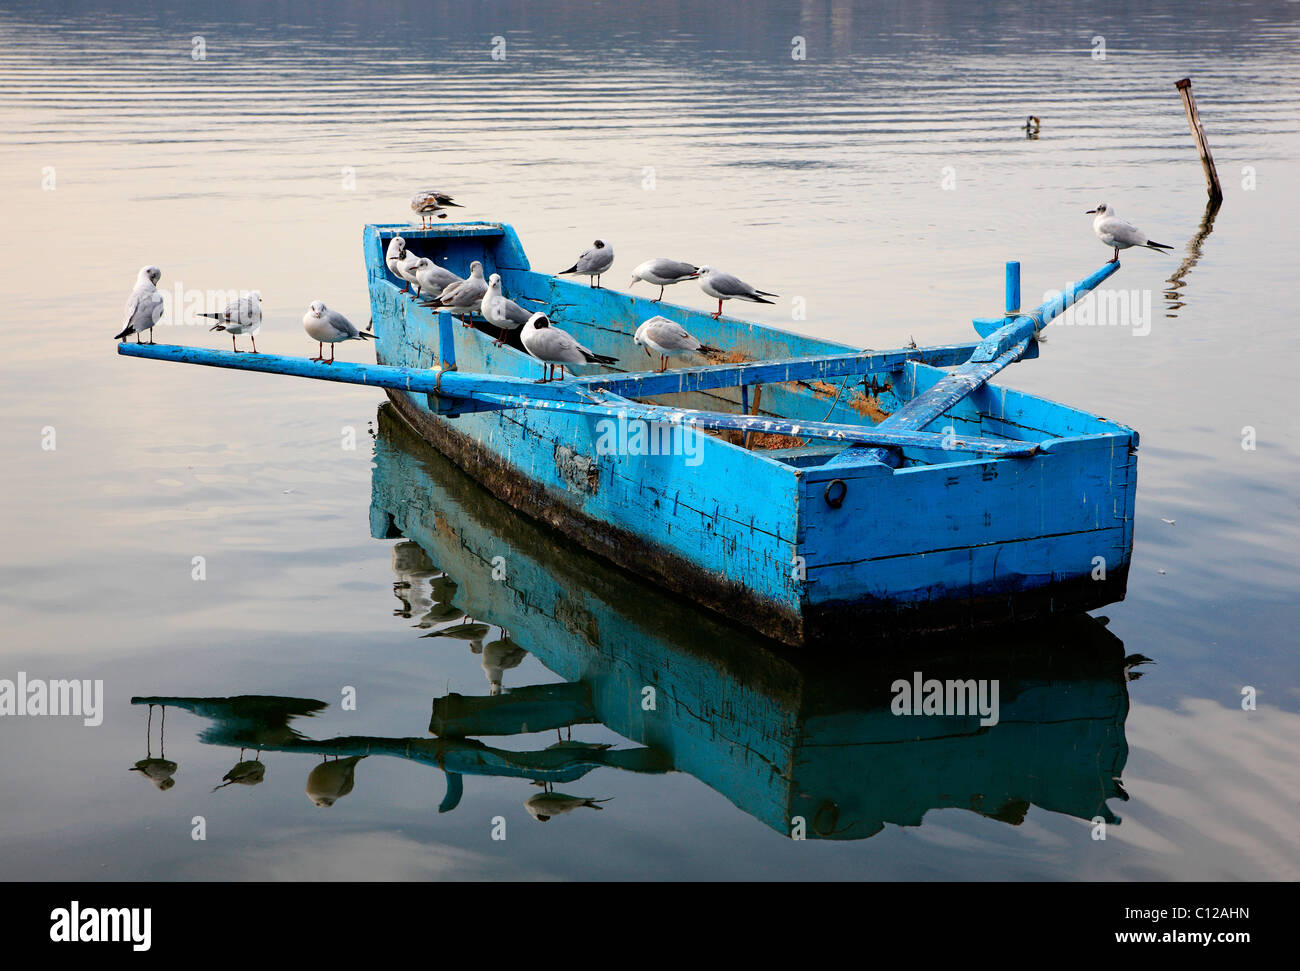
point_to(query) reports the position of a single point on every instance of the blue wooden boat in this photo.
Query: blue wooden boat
(903, 495)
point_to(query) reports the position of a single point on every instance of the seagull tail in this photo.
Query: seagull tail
(454, 205)
(213, 316)
(125, 331)
(600, 358)
(367, 335)
(1158, 247)
(706, 349)
(760, 299)
(766, 294)
(572, 269)
(594, 803)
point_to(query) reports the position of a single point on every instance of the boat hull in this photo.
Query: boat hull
(802, 552)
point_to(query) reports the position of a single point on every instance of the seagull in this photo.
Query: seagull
(593, 262)
(553, 346)
(430, 276)
(326, 326)
(145, 305)
(544, 805)
(500, 656)
(1120, 233)
(430, 202)
(662, 273)
(331, 781)
(242, 316)
(724, 286)
(668, 339)
(248, 773)
(463, 297)
(157, 771)
(500, 311)
(400, 262)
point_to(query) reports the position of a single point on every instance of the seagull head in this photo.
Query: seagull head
(476, 268)
(150, 273)
(703, 271)
(317, 308)
(494, 281)
(539, 320)
(1101, 210)
(600, 244)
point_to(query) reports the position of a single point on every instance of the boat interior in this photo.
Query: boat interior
(605, 320)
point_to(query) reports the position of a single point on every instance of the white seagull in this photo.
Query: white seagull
(432, 277)
(401, 263)
(326, 326)
(593, 262)
(430, 202)
(499, 310)
(1120, 233)
(463, 297)
(145, 305)
(544, 805)
(724, 286)
(552, 346)
(661, 273)
(668, 339)
(242, 316)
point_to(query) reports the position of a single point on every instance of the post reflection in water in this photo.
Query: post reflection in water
(809, 743)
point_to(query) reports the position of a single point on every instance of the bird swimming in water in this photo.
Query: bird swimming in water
(724, 286)
(668, 339)
(554, 347)
(242, 316)
(593, 262)
(430, 202)
(1120, 233)
(662, 273)
(145, 305)
(326, 326)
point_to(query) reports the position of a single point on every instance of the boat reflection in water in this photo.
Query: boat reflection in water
(810, 743)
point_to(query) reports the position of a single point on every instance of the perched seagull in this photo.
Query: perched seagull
(553, 346)
(662, 273)
(463, 297)
(724, 286)
(668, 339)
(544, 805)
(395, 254)
(594, 262)
(242, 316)
(499, 310)
(431, 277)
(1120, 233)
(326, 326)
(331, 781)
(401, 263)
(500, 656)
(145, 305)
(431, 203)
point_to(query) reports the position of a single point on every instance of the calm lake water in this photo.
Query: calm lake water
(882, 180)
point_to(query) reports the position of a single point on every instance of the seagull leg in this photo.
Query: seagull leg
(1115, 258)
(331, 360)
(663, 363)
(661, 294)
(254, 340)
(233, 345)
(719, 313)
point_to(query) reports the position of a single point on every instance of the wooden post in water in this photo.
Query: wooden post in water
(1198, 132)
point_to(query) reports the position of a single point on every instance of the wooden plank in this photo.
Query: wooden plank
(816, 367)
(1202, 143)
(1000, 348)
(718, 421)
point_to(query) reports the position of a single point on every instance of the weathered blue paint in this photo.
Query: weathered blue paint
(798, 539)
(1013, 288)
